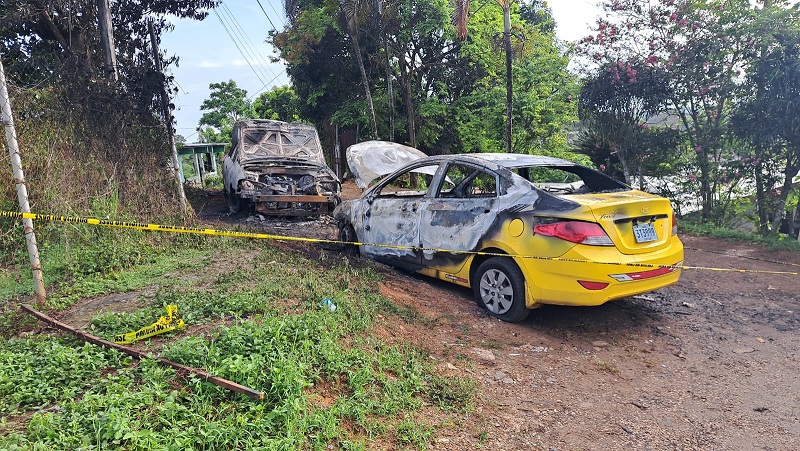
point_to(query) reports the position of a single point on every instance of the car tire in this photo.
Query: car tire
(347, 234)
(499, 288)
(236, 204)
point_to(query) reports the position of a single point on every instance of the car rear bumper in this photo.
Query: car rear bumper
(558, 281)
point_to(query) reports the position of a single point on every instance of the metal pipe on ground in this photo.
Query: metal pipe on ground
(142, 355)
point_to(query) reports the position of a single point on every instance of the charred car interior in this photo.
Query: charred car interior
(278, 169)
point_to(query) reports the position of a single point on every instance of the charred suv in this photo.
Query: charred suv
(279, 169)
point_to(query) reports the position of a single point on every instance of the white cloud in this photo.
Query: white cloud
(206, 64)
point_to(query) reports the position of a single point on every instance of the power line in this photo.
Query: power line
(245, 38)
(267, 15)
(236, 34)
(282, 72)
(277, 14)
(238, 47)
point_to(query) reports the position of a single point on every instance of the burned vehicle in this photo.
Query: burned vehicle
(279, 169)
(520, 230)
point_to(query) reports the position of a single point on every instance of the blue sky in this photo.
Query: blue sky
(208, 54)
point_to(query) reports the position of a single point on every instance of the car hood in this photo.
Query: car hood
(263, 138)
(370, 160)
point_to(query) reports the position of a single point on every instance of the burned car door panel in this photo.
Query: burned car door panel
(460, 214)
(392, 216)
(393, 222)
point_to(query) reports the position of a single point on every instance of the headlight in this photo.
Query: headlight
(248, 185)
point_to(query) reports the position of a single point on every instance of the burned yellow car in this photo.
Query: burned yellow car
(520, 230)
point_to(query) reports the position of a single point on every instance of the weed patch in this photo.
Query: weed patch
(326, 381)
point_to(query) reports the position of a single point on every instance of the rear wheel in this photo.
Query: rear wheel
(347, 234)
(499, 287)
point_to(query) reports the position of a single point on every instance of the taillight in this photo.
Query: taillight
(576, 232)
(593, 285)
(674, 224)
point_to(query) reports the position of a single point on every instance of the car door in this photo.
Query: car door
(391, 220)
(458, 215)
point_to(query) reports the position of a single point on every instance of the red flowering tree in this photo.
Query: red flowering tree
(615, 105)
(703, 47)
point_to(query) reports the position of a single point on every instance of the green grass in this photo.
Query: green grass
(253, 316)
(774, 242)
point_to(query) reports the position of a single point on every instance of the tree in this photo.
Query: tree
(61, 36)
(350, 15)
(618, 102)
(318, 61)
(428, 67)
(56, 60)
(703, 46)
(769, 119)
(544, 94)
(226, 105)
(450, 91)
(280, 103)
(460, 19)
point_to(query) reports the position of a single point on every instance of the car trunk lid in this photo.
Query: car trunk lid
(637, 222)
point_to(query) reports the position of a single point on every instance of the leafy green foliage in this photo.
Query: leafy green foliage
(226, 104)
(326, 379)
(704, 50)
(447, 95)
(40, 371)
(280, 103)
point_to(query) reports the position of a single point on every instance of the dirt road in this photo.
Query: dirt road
(710, 363)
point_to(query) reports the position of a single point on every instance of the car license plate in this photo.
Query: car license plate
(645, 232)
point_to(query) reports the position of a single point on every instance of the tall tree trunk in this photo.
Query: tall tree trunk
(107, 40)
(705, 185)
(405, 81)
(349, 11)
(509, 82)
(761, 198)
(364, 81)
(389, 93)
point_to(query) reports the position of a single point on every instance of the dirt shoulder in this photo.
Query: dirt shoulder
(709, 363)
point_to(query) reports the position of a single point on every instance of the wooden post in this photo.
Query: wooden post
(107, 39)
(176, 170)
(22, 190)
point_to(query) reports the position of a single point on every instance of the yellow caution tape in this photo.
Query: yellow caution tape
(164, 324)
(205, 231)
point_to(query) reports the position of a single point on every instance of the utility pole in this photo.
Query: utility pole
(22, 190)
(176, 169)
(107, 39)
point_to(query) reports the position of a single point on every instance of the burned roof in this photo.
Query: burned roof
(257, 138)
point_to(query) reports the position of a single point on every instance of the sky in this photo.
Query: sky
(230, 44)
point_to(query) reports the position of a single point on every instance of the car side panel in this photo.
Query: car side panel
(454, 224)
(392, 222)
